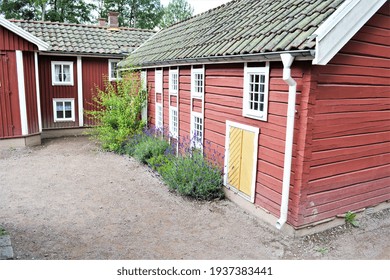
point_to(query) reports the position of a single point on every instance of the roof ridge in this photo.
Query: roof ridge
(80, 25)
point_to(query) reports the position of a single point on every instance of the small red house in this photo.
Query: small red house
(295, 94)
(70, 62)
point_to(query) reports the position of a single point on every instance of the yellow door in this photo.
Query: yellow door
(241, 160)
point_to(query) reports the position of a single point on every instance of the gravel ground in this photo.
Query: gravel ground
(67, 199)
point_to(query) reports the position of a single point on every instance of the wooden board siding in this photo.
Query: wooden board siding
(31, 95)
(10, 122)
(10, 41)
(350, 151)
(95, 74)
(48, 92)
(223, 101)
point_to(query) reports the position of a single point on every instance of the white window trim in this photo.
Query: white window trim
(196, 144)
(171, 132)
(71, 100)
(195, 71)
(246, 112)
(53, 73)
(172, 72)
(110, 78)
(144, 86)
(158, 83)
(256, 131)
(157, 116)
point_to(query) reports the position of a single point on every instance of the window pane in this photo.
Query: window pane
(59, 106)
(60, 114)
(58, 74)
(68, 114)
(66, 74)
(262, 79)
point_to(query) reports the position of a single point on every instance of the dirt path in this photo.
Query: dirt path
(68, 200)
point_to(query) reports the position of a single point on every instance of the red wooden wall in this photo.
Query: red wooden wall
(31, 94)
(95, 73)
(350, 152)
(48, 92)
(11, 41)
(10, 124)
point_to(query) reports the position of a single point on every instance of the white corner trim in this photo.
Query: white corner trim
(80, 90)
(38, 92)
(22, 92)
(42, 46)
(340, 27)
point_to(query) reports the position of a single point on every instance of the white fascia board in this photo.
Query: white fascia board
(340, 27)
(42, 46)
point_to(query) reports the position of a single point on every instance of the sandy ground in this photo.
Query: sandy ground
(68, 200)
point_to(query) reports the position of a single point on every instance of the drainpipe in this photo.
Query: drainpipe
(287, 60)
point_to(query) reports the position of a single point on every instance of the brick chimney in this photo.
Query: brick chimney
(102, 21)
(113, 19)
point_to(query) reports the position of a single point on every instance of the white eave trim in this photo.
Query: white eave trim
(340, 27)
(42, 46)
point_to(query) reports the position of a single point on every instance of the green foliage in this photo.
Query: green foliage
(176, 11)
(2, 231)
(350, 218)
(117, 111)
(73, 11)
(151, 148)
(192, 175)
(144, 14)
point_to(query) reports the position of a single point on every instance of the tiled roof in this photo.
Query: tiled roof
(86, 39)
(237, 28)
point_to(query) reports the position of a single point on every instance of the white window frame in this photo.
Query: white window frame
(159, 117)
(250, 113)
(53, 73)
(173, 83)
(195, 93)
(158, 83)
(194, 142)
(174, 134)
(144, 86)
(110, 77)
(144, 81)
(72, 118)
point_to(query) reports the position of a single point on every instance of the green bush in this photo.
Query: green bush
(117, 111)
(192, 175)
(150, 147)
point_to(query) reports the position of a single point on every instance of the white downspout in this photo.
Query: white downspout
(287, 60)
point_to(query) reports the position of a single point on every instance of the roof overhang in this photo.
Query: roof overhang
(341, 26)
(42, 46)
(270, 56)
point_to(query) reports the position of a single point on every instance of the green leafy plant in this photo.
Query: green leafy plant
(117, 111)
(322, 250)
(192, 175)
(350, 218)
(151, 147)
(2, 231)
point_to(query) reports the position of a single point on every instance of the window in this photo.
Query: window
(62, 73)
(255, 99)
(173, 122)
(197, 130)
(159, 116)
(173, 81)
(63, 109)
(159, 81)
(113, 71)
(197, 82)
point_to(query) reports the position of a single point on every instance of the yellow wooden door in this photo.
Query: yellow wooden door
(241, 160)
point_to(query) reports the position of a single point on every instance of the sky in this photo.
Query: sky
(201, 6)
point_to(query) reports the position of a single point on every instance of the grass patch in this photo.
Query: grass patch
(2, 232)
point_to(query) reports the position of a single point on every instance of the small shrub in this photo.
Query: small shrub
(350, 218)
(117, 111)
(150, 147)
(2, 231)
(192, 175)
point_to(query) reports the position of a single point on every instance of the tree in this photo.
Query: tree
(177, 10)
(72, 11)
(134, 13)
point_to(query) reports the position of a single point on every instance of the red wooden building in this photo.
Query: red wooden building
(63, 64)
(295, 94)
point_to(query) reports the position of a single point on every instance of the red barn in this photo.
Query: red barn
(295, 94)
(71, 62)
